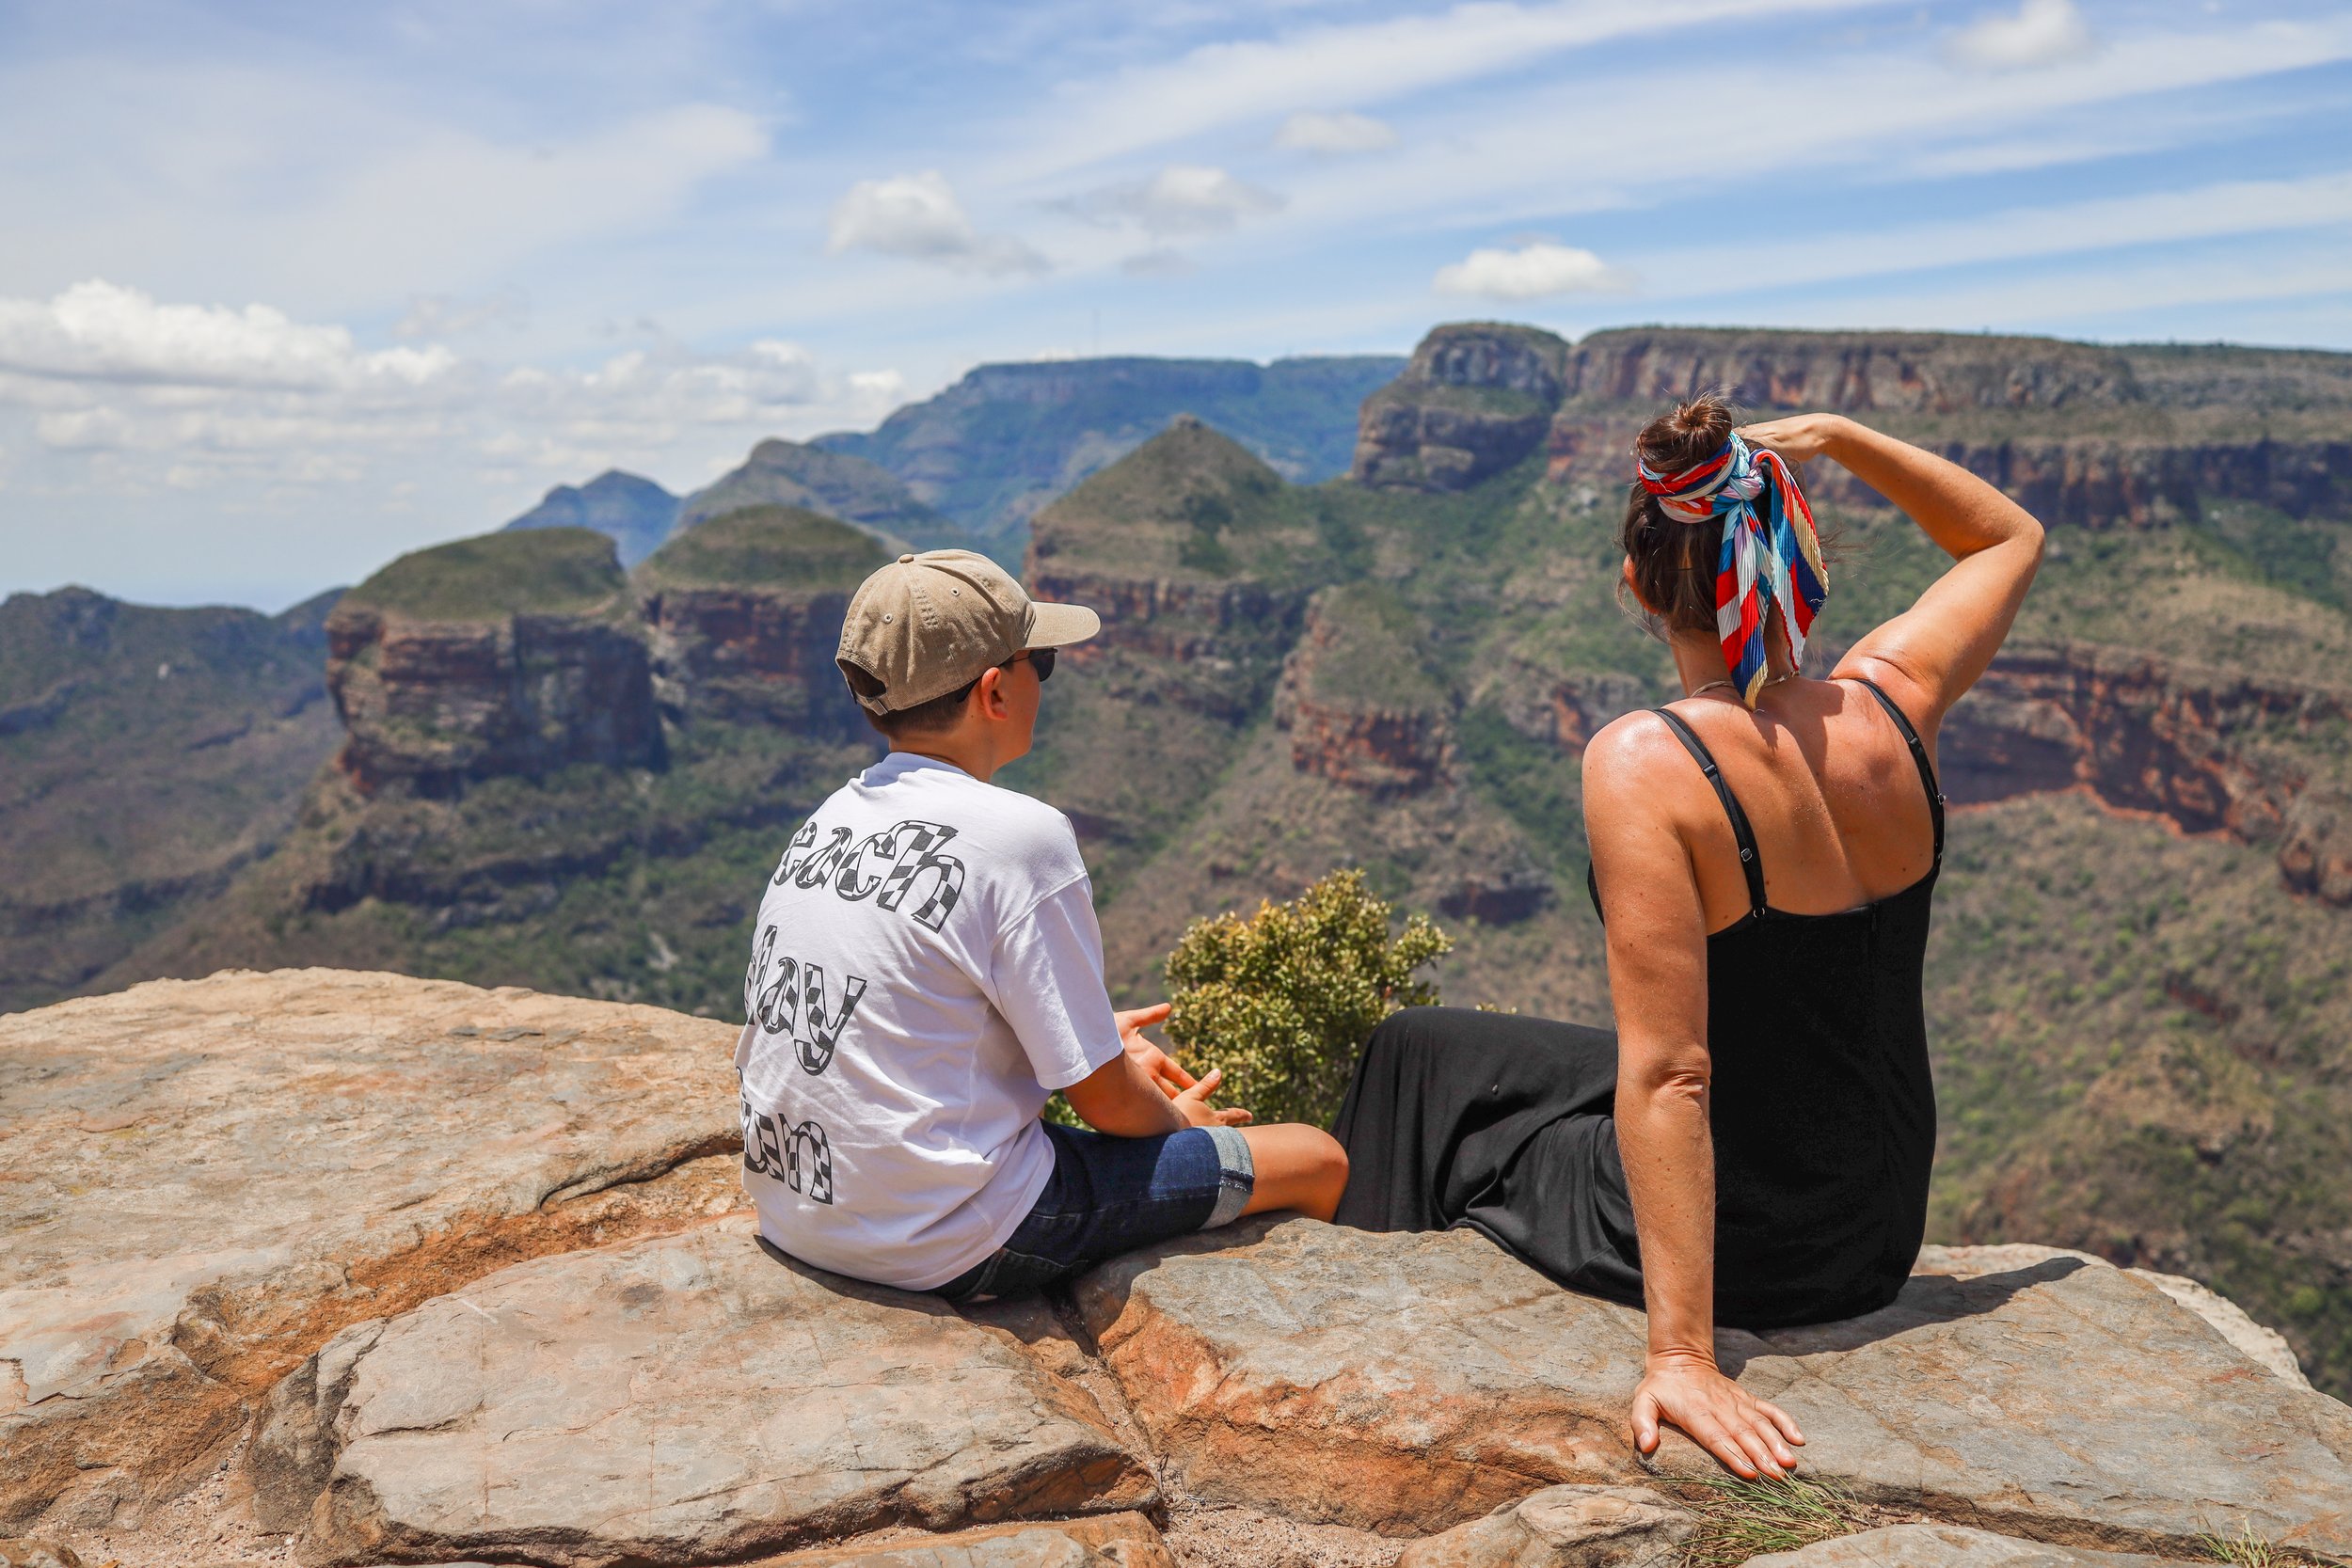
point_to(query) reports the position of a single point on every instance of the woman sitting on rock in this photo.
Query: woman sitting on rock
(1752, 1146)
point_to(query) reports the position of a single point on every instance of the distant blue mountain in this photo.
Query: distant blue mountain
(974, 463)
(999, 444)
(836, 484)
(636, 513)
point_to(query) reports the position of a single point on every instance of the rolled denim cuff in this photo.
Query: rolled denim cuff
(1236, 1176)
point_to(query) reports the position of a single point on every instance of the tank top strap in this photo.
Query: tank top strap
(1918, 755)
(1751, 863)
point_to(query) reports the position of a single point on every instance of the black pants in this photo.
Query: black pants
(1497, 1122)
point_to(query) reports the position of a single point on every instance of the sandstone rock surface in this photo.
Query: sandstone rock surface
(2265, 1346)
(205, 1180)
(1409, 1383)
(1105, 1540)
(1565, 1527)
(1944, 1547)
(684, 1398)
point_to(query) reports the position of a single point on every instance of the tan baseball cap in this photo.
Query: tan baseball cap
(927, 624)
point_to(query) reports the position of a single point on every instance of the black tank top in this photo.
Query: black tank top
(1820, 1101)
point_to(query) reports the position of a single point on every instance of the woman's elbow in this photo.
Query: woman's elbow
(1667, 1085)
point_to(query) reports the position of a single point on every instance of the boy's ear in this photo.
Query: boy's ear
(990, 693)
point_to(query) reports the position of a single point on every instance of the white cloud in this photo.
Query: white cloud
(1180, 200)
(1367, 62)
(917, 216)
(1537, 270)
(1501, 167)
(140, 393)
(1309, 132)
(99, 331)
(2043, 32)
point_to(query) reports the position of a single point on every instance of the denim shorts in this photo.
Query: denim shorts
(1110, 1196)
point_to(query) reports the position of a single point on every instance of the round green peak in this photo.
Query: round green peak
(778, 547)
(551, 571)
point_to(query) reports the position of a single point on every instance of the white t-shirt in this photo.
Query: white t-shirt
(926, 968)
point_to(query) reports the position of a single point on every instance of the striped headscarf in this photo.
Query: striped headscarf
(1770, 552)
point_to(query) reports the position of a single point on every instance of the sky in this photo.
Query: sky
(289, 288)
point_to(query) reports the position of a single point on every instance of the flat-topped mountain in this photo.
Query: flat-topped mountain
(745, 611)
(2079, 432)
(513, 653)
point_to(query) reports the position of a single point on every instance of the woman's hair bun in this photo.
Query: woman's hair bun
(1694, 431)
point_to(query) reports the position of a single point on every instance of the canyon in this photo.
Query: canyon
(558, 773)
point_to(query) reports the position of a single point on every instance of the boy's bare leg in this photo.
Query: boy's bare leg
(1298, 1167)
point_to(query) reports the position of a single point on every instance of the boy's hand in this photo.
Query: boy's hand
(1163, 1071)
(1193, 1104)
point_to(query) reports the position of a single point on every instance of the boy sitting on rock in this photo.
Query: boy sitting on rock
(926, 970)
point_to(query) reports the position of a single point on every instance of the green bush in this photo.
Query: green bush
(1282, 1001)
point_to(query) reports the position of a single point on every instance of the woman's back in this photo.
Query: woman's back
(1822, 1114)
(1829, 788)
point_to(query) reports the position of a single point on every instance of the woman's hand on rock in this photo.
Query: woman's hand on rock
(1799, 438)
(1748, 1436)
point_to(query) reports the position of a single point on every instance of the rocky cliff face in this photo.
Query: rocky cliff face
(1474, 400)
(2196, 748)
(1355, 701)
(2081, 435)
(314, 1325)
(1175, 548)
(511, 653)
(1853, 373)
(745, 614)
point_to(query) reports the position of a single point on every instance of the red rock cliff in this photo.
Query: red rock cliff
(2201, 749)
(516, 653)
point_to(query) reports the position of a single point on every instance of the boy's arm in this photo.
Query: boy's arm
(1123, 1098)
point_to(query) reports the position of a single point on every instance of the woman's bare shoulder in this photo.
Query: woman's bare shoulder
(1625, 752)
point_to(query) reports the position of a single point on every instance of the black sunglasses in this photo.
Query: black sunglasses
(1040, 661)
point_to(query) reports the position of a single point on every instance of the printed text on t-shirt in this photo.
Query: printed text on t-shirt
(793, 999)
(802, 1156)
(889, 862)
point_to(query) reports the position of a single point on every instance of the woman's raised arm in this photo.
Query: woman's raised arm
(1934, 652)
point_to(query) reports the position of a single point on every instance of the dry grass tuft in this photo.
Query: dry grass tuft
(1740, 1519)
(2248, 1550)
